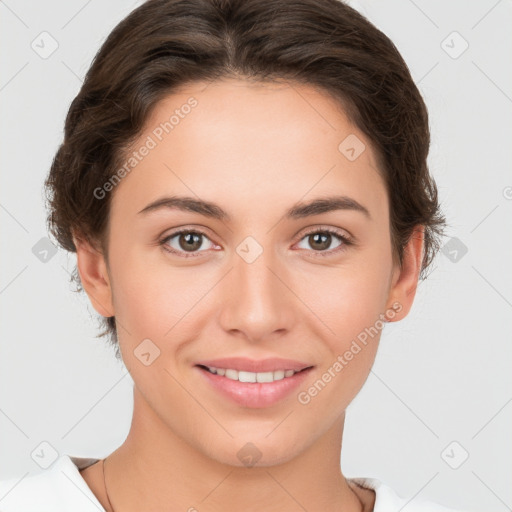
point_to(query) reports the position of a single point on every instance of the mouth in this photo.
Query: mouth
(254, 390)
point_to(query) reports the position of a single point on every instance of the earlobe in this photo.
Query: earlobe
(93, 273)
(405, 281)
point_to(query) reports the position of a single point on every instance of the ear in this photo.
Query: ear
(94, 276)
(405, 278)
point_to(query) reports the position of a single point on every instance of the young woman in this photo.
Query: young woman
(245, 185)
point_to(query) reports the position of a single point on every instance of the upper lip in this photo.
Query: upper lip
(255, 365)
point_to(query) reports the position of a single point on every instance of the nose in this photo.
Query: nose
(257, 302)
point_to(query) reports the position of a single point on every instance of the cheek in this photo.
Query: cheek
(151, 296)
(349, 328)
(348, 298)
(348, 302)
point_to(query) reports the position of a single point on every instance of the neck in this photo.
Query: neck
(155, 467)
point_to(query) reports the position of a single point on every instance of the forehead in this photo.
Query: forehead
(252, 141)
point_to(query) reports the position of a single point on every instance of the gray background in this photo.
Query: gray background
(440, 389)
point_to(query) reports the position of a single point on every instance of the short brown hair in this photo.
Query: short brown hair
(164, 44)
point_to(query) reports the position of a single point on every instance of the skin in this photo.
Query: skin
(255, 150)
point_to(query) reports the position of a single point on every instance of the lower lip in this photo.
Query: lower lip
(255, 394)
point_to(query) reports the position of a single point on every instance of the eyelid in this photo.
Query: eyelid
(343, 233)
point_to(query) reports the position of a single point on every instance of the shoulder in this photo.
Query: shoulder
(59, 488)
(386, 499)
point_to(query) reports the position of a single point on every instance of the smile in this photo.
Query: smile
(253, 389)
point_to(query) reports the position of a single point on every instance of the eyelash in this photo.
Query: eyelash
(347, 241)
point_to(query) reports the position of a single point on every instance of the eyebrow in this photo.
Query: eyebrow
(297, 211)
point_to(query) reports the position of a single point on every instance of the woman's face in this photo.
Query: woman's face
(254, 282)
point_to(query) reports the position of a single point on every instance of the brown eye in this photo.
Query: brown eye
(184, 241)
(320, 241)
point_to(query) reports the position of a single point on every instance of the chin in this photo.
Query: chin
(261, 452)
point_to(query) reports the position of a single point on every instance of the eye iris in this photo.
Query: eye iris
(192, 241)
(318, 236)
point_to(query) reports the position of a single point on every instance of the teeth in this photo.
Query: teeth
(262, 376)
(251, 376)
(248, 376)
(230, 374)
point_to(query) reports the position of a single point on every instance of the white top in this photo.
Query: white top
(61, 488)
